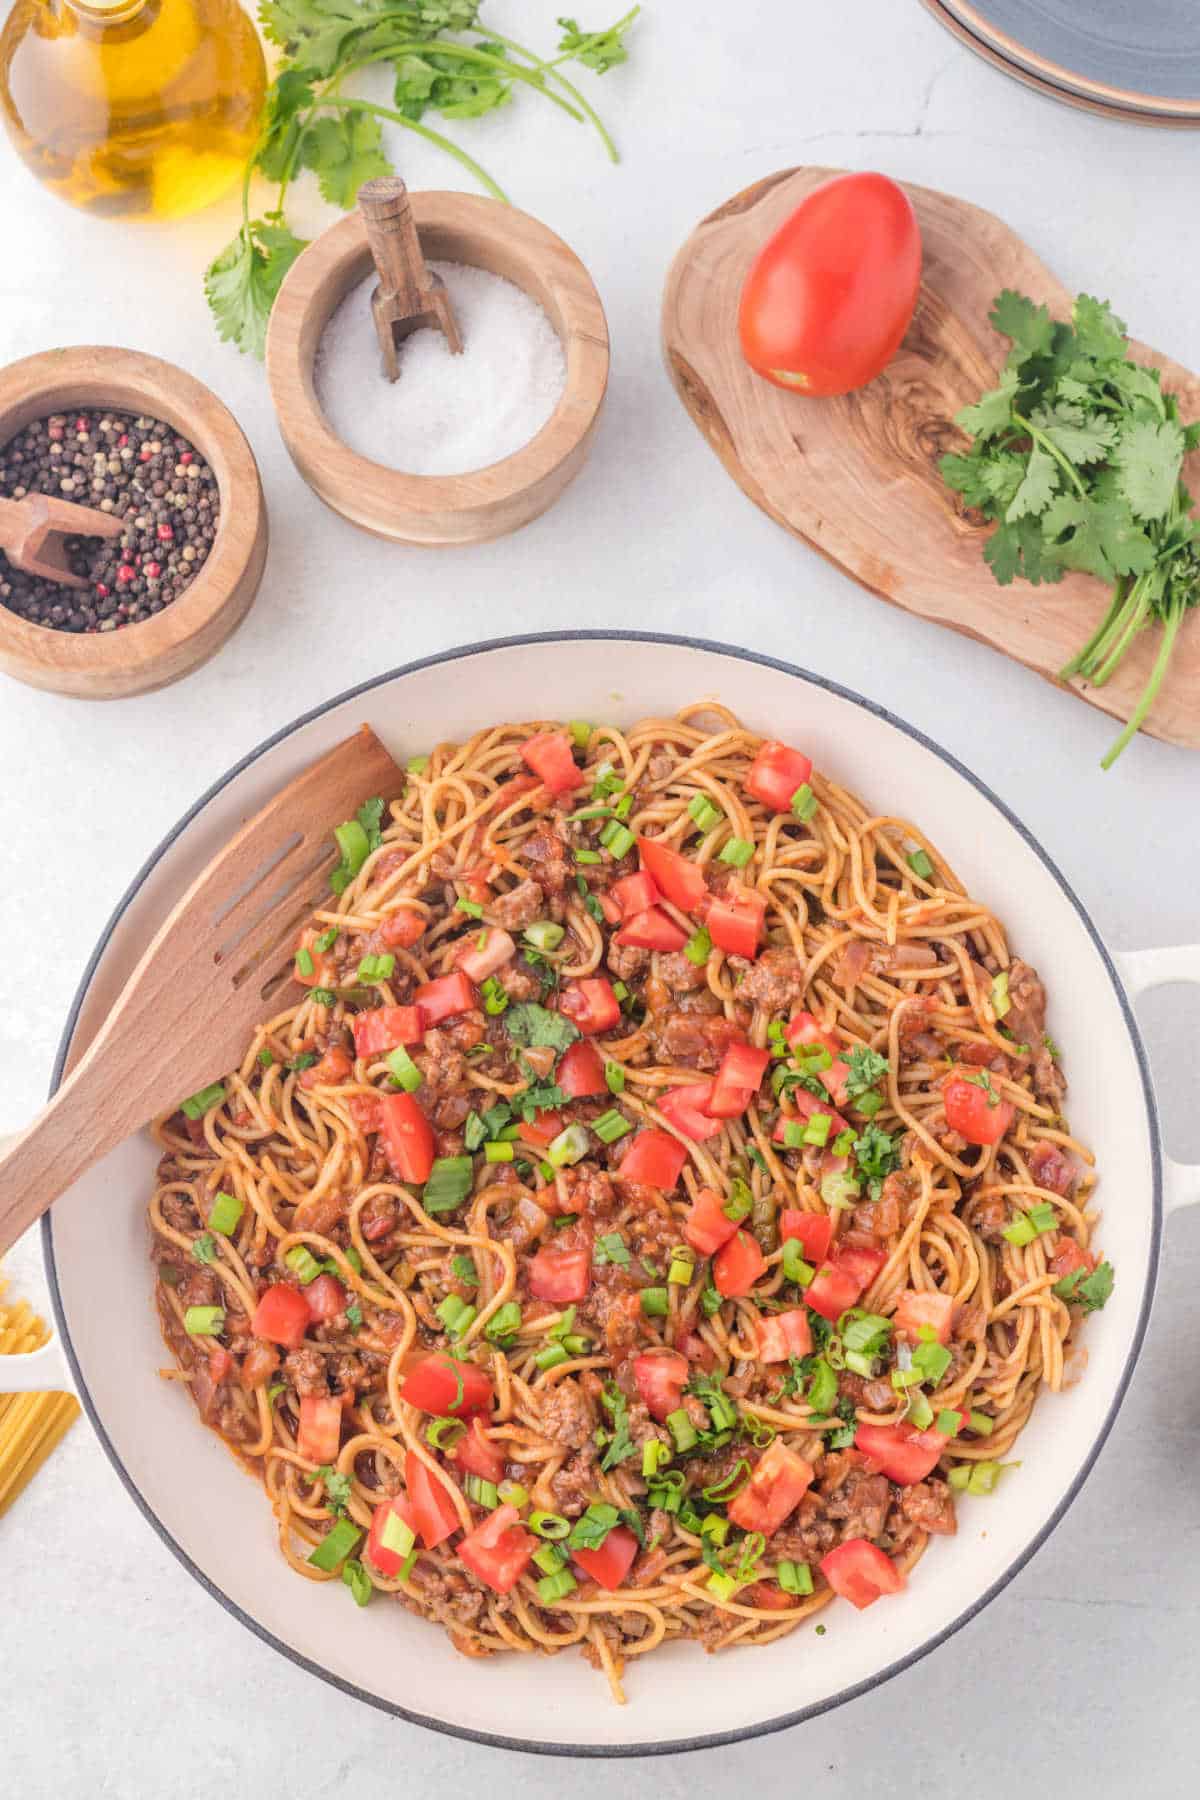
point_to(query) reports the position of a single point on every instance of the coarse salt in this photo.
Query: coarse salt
(445, 414)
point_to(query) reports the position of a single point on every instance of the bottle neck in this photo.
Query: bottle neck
(107, 12)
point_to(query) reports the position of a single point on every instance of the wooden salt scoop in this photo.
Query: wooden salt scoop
(409, 295)
(32, 531)
(204, 983)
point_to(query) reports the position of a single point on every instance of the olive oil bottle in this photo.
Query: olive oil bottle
(132, 108)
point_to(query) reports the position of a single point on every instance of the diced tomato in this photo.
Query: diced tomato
(781, 1335)
(660, 1382)
(590, 1004)
(770, 1598)
(386, 1028)
(258, 1365)
(838, 1283)
(320, 1432)
(433, 1509)
(445, 998)
(677, 878)
(478, 881)
(652, 930)
(736, 1081)
(549, 756)
(323, 972)
(407, 1137)
(905, 1454)
(913, 1310)
(479, 960)
(802, 1028)
(542, 1129)
(611, 1563)
(513, 789)
(389, 1562)
(779, 1483)
(560, 1275)
(364, 1110)
(441, 1384)
(738, 1265)
(326, 1297)
(220, 1364)
(706, 1227)
(974, 1114)
(498, 1551)
(479, 1454)
(403, 928)
(813, 1232)
(635, 893)
(776, 773)
(807, 1107)
(735, 922)
(860, 1572)
(608, 906)
(335, 1066)
(581, 1071)
(655, 1159)
(1067, 1256)
(687, 1109)
(282, 1315)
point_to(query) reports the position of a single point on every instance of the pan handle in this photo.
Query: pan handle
(1141, 970)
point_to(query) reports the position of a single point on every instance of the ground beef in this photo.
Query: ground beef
(519, 907)
(199, 1288)
(611, 1307)
(564, 1415)
(680, 973)
(627, 961)
(773, 983)
(520, 982)
(930, 1506)
(856, 1499)
(573, 1484)
(549, 852)
(989, 1218)
(591, 1191)
(1026, 1019)
(448, 1596)
(877, 1396)
(305, 1370)
(693, 1036)
(445, 1076)
(179, 1212)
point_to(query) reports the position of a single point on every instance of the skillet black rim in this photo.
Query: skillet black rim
(666, 1747)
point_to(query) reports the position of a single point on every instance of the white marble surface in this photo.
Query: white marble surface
(124, 1680)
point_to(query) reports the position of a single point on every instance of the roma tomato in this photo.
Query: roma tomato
(581, 1071)
(549, 756)
(560, 1275)
(407, 1137)
(282, 1316)
(385, 1028)
(325, 1297)
(775, 774)
(654, 1158)
(635, 894)
(677, 878)
(737, 1079)
(781, 1335)
(1067, 1255)
(479, 960)
(445, 998)
(590, 1004)
(320, 1432)
(660, 1382)
(829, 297)
(707, 1226)
(860, 1572)
(652, 930)
(812, 1231)
(915, 1309)
(838, 1283)
(435, 1512)
(402, 929)
(735, 922)
(611, 1563)
(479, 1454)
(905, 1454)
(441, 1384)
(737, 1266)
(498, 1551)
(779, 1482)
(974, 1112)
(388, 1561)
(687, 1109)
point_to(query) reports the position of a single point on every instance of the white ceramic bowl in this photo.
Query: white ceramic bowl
(219, 1524)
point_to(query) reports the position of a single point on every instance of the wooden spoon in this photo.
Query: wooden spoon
(203, 984)
(32, 531)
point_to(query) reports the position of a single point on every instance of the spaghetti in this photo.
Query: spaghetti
(30, 1424)
(655, 1210)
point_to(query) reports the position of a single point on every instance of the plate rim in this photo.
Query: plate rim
(781, 1722)
(1070, 81)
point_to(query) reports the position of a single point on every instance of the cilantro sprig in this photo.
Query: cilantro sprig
(310, 123)
(1077, 456)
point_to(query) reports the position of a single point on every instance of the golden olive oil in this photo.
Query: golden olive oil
(132, 108)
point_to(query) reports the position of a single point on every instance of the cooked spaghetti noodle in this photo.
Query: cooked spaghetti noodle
(30, 1424)
(656, 1206)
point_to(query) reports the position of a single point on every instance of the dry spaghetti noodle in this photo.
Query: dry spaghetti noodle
(30, 1424)
(654, 1211)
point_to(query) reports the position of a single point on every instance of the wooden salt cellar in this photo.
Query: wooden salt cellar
(409, 294)
(440, 509)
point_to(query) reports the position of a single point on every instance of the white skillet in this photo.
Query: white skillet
(217, 1521)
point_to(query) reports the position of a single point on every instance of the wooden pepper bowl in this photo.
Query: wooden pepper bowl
(441, 509)
(104, 665)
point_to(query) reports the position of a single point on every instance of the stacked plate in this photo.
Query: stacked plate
(1137, 60)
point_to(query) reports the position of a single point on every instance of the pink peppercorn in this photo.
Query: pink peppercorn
(165, 534)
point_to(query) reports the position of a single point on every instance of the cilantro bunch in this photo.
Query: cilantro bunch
(1077, 455)
(310, 123)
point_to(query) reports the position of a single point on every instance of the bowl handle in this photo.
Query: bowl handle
(1141, 970)
(41, 1371)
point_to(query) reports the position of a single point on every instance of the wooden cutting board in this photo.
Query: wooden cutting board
(857, 477)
